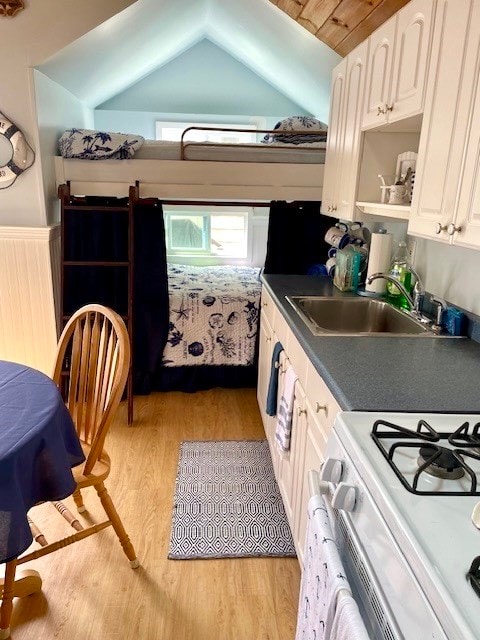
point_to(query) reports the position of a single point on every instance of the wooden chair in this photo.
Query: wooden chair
(96, 345)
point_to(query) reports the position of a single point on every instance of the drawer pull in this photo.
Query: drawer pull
(381, 111)
(320, 407)
(389, 107)
(300, 411)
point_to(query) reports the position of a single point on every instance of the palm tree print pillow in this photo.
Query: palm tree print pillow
(89, 144)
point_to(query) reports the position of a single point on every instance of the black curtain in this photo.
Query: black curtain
(296, 233)
(150, 293)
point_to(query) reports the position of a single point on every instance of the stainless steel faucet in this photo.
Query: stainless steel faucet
(418, 292)
(442, 306)
(397, 283)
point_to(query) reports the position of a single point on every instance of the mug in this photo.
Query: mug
(361, 234)
(398, 194)
(337, 237)
(330, 264)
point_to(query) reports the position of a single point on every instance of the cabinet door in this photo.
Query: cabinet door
(352, 134)
(468, 209)
(379, 75)
(265, 349)
(412, 48)
(443, 130)
(335, 135)
(314, 447)
(291, 463)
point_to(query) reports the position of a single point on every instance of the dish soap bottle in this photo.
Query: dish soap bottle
(400, 270)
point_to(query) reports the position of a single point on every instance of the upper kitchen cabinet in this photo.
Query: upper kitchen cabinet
(344, 140)
(446, 199)
(398, 65)
(335, 134)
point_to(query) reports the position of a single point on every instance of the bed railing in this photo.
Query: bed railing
(277, 132)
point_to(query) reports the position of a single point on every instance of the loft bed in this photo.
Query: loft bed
(185, 173)
(206, 170)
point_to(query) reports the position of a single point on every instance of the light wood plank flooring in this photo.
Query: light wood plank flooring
(89, 591)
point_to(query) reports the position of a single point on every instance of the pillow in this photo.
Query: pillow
(89, 144)
(298, 123)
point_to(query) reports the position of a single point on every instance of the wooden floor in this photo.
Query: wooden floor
(89, 591)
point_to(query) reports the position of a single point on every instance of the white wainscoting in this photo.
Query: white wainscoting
(29, 275)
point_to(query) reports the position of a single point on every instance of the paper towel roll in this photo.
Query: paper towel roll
(379, 260)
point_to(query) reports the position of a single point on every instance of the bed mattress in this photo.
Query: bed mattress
(214, 314)
(311, 153)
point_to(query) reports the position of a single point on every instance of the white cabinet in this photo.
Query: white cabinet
(446, 199)
(314, 411)
(333, 155)
(398, 65)
(289, 464)
(465, 228)
(344, 138)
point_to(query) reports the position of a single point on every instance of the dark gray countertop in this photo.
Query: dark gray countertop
(384, 374)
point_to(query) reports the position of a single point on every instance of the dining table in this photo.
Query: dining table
(38, 448)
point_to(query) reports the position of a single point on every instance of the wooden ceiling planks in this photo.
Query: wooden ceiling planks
(341, 24)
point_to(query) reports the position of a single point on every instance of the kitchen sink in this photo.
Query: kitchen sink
(356, 316)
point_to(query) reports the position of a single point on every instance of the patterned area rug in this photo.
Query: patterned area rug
(227, 503)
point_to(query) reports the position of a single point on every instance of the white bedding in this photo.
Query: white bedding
(214, 313)
(311, 153)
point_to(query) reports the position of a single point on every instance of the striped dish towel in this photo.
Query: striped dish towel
(283, 429)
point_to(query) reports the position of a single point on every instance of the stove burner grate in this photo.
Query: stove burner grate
(434, 459)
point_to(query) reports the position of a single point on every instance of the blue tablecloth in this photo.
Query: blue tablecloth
(38, 448)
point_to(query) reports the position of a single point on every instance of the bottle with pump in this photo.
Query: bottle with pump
(400, 270)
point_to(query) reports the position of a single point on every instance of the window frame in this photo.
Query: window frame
(203, 255)
(163, 124)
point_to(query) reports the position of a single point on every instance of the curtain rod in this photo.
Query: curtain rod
(217, 203)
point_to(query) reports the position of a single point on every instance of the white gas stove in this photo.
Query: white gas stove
(404, 493)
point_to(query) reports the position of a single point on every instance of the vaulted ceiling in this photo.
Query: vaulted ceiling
(342, 24)
(290, 54)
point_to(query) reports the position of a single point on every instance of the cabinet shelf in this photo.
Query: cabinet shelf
(398, 211)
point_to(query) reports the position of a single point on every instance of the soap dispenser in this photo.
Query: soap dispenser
(400, 270)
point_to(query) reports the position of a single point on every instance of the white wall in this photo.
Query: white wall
(57, 110)
(451, 272)
(204, 79)
(26, 40)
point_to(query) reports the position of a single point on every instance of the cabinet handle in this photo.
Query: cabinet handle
(300, 411)
(452, 228)
(334, 207)
(388, 107)
(381, 111)
(320, 407)
(268, 339)
(439, 227)
(329, 208)
(264, 304)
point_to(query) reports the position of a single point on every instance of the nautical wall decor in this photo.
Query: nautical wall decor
(22, 155)
(10, 7)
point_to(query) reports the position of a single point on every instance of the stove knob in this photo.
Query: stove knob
(344, 497)
(332, 470)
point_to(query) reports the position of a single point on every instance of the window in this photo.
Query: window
(222, 234)
(173, 131)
